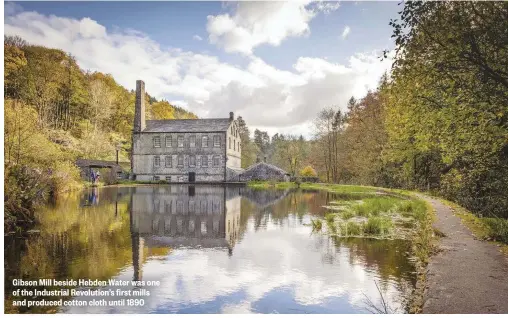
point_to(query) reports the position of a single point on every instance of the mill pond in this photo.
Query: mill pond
(214, 249)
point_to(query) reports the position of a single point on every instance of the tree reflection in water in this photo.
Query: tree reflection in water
(130, 227)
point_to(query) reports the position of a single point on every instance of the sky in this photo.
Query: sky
(276, 64)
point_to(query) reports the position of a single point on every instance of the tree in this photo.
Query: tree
(447, 119)
(249, 149)
(308, 171)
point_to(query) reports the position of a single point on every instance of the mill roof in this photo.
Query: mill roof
(188, 125)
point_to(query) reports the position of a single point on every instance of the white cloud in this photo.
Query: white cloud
(256, 23)
(197, 37)
(328, 7)
(267, 97)
(346, 32)
(190, 277)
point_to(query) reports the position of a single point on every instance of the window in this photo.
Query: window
(157, 161)
(169, 161)
(157, 141)
(204, 141)
(216, 141)
(168, 178)
(192, 141)
(192, 161)
(238, 146)
(234, 145)
(169, 140)
(216, 161)
(192, 206)
(229, 142)
(156, 178)
(203, 228)
(180, 141)
(180, 160)
(204, 161)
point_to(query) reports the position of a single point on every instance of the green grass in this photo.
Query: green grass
(330, 217)
(270, 184)
(317, 224)
(484, 228)
(378, 226)
(375, 206)
(351, 229)
(347, 214)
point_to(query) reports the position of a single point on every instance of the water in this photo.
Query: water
(214, 249)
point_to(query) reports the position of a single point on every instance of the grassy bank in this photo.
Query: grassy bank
(483, 228)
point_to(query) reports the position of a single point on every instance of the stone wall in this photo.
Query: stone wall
(144, 157)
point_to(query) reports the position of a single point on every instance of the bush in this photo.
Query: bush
(498, 228)
(308, 172)
(25, 189)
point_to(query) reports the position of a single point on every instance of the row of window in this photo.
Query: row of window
(202, 226)
(234, 145)
(179, 142)
(168, 161)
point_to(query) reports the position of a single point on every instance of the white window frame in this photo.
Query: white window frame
(157, 142)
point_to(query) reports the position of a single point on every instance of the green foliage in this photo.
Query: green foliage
(498, 229)
(375, 206)
(317, 224)
(378, 225)
(351, 229)
(55, 113)
(447, 113)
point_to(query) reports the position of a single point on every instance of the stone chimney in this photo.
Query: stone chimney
(231, 116)
(264, 158)
(139, 112)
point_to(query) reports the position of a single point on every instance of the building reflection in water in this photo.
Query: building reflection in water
(183, 216)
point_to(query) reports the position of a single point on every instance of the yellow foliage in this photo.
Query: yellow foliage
(308, 172)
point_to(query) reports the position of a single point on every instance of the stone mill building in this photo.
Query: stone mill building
(184, 150)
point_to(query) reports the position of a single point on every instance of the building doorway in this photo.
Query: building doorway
(192, 177)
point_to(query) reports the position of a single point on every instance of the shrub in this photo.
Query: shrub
(308, 171)
(498, 228)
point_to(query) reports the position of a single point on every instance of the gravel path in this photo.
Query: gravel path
(467, 276)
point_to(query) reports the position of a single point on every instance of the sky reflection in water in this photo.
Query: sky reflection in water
(236, 250)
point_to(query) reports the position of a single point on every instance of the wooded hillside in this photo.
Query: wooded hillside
(56, 112)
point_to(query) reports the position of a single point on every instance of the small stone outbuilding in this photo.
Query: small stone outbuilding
(263, 171)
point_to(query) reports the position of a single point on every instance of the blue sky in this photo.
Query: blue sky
(262, 60)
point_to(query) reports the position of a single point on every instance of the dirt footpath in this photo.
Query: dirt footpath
(467, 276)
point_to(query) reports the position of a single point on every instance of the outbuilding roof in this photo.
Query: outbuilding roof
(188, 125)
(263, 165)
